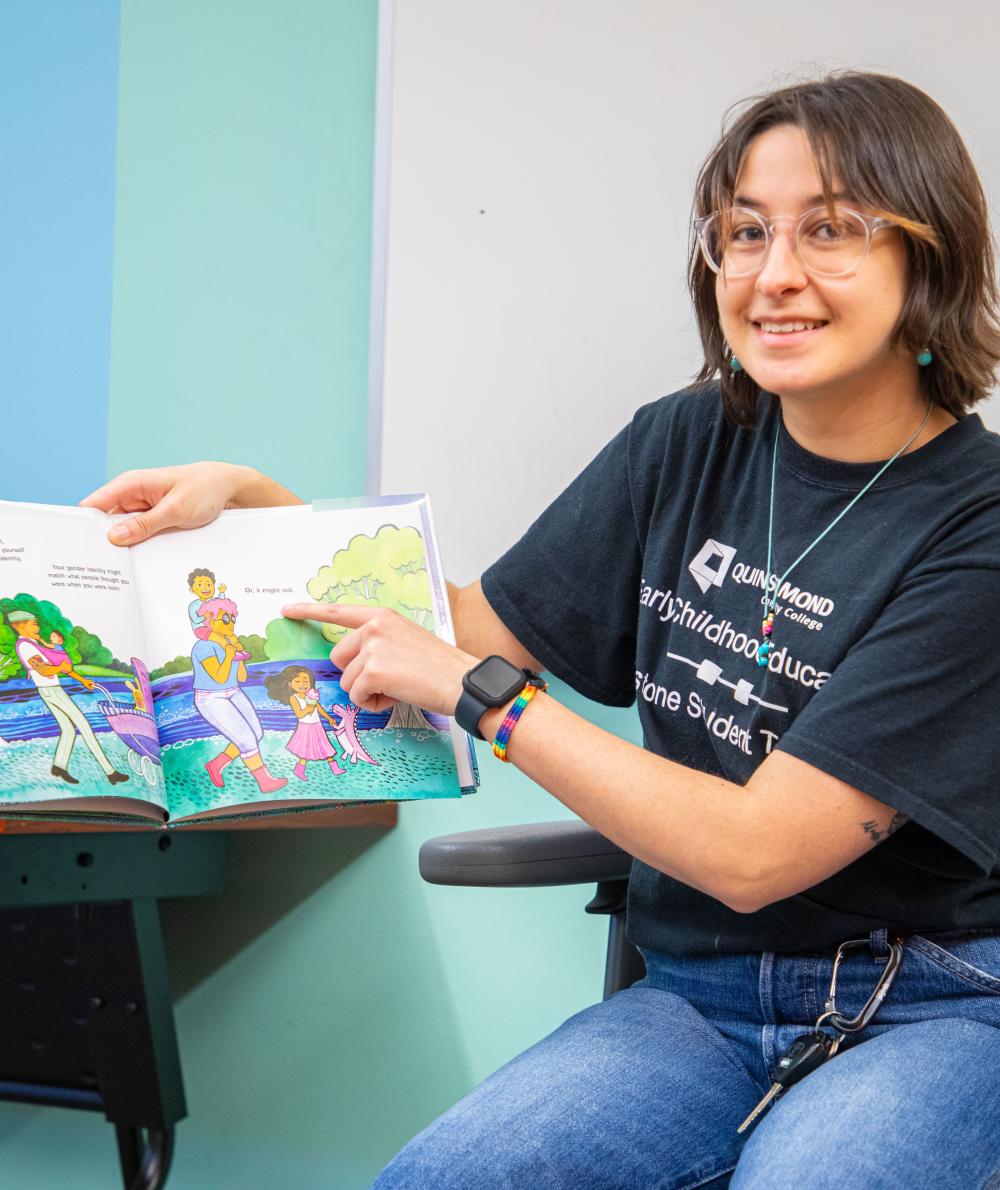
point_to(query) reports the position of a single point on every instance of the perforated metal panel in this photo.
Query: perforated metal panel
(85, 1013)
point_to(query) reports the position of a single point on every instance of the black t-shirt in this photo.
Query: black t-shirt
(642, 583)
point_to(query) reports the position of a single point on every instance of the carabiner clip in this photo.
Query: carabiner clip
(832, 1018)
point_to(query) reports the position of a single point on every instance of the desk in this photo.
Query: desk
(86, 1018)
(383, 814)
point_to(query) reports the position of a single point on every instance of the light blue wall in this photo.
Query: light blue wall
(58, 100)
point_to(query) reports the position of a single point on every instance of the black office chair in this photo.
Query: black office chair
(538, 855)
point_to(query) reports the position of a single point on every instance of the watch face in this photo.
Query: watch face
(495, 677)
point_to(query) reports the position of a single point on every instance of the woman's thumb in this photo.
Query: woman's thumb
(139, 526)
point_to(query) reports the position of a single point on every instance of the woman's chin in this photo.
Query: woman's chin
(789, 380)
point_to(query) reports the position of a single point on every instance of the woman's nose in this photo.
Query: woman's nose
(782, 269)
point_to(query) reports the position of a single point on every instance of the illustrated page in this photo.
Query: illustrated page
(248, 704)
(75, 701)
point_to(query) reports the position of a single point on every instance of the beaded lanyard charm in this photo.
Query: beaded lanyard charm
(770, 602)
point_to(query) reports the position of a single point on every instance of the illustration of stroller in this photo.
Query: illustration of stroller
(135, 727)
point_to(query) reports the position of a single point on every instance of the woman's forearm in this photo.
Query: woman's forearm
(480, 631)
(685, 823)
(254, 489)
(789, 828)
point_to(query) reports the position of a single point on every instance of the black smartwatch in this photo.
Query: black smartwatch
(491, 683)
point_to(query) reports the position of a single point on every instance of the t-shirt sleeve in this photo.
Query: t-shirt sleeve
(569, 589)
(910, 715)
(207, 648)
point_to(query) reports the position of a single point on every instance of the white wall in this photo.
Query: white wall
(543, 156)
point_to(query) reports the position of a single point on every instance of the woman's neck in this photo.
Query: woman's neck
(861, 430)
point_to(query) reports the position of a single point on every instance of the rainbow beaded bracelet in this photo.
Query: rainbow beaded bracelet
(512, 716)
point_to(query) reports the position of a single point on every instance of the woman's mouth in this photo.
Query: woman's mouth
(787, 332)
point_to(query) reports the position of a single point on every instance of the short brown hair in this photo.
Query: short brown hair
(899, 154)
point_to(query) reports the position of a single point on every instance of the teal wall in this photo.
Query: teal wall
(328, 1003)
(243, 237)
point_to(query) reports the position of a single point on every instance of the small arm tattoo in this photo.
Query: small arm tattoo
(878, 833)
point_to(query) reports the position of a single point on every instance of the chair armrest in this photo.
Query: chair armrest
(534, 855)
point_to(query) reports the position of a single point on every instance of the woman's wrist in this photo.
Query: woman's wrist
(493, 724)
(489, 725)
(253, 489)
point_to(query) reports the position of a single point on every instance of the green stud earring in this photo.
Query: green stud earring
(925, 357)
(734, 364)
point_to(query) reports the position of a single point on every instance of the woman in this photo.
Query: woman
(800, 583)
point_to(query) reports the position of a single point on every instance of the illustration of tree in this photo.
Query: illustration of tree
(255, 645)
(293, 640)
(82, 647)
(10, 665)
(49, 618)
(93, 651)
(179, 665)
(387, 570)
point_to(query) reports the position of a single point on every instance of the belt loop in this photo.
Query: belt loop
(879, 940)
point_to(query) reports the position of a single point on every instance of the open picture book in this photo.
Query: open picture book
(160, 683)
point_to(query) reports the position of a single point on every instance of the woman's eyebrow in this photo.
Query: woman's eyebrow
(815, 200)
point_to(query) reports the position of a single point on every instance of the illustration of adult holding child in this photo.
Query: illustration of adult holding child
(219, 665)
(295, 686)
(46, 662)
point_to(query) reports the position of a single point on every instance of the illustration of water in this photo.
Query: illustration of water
(26, 767)
(411, 763)
(28, 736)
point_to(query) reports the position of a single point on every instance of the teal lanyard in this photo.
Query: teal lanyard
(770, 603)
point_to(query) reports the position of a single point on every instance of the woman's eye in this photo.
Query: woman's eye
(836, 230)
(748, 233)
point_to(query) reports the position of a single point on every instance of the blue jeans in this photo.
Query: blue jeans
(647, 1089)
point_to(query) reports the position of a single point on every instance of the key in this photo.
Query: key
(804, 1055)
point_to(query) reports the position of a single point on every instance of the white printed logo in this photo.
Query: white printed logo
(711, 565)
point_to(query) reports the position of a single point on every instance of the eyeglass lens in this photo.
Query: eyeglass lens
(735, 241)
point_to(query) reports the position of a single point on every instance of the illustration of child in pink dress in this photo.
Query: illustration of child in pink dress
(294, 685)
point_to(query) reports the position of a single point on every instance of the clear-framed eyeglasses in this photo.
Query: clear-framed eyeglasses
(828, 242)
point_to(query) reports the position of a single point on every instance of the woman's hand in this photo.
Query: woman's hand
(182, 497)
(387, 659)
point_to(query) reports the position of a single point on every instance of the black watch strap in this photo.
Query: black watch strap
(491, 683)
(468, 713)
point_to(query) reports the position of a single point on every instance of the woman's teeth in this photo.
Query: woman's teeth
(784, 328)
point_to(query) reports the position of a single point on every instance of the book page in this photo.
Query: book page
(74, 721)
(248, 704)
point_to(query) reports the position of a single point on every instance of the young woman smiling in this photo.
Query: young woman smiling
(821, 753)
